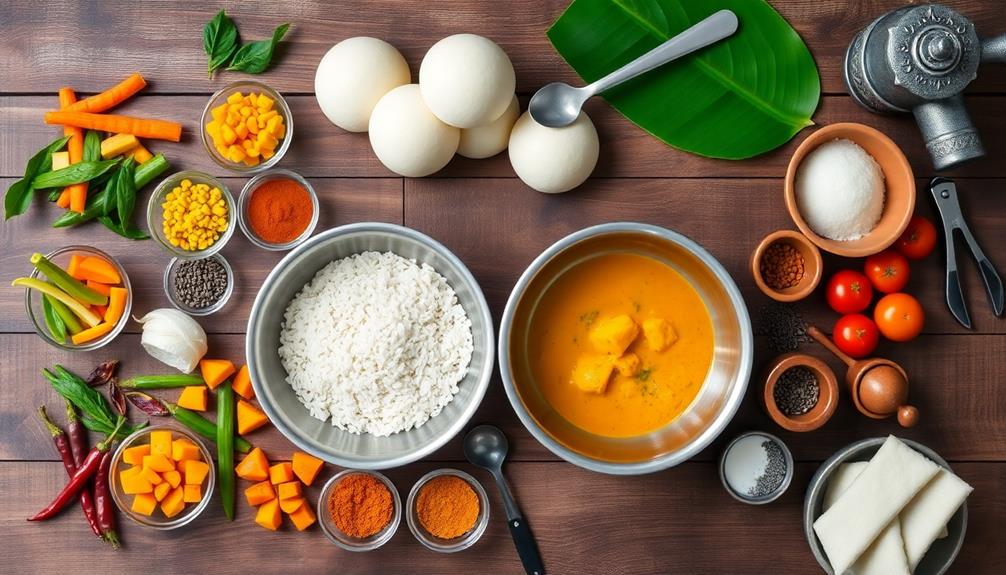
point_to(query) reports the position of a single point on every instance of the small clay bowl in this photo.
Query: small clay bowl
(827, 399)
(813, 267)
(899, 184)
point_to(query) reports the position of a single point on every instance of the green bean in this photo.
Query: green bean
(69, 318)
(225, 446)
(73, 174)
(161, 381)
(203, 426)
(147, 171)
(64, 281)
(52, 320)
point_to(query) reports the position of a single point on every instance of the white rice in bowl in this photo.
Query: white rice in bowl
(376, 342)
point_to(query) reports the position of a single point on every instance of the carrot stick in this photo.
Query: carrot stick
(76, 193)
(139, 127)
(111, 97)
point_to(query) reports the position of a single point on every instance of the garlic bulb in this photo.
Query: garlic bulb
(173, 338)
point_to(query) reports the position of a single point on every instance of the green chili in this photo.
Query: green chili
(225, 446)
(203, 426)
(161, 381)
(64, 281)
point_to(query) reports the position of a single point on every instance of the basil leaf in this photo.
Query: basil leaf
(111, 197)
(125, 195)
(52, 321)
(220, 37)
(255, 58)
(126, 232)
(17, 200)
(92, 146)
(75, 174)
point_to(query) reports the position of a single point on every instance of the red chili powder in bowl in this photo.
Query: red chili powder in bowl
(279, 211)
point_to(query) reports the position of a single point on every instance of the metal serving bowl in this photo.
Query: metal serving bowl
(321, 438)
(941, 554)
(719, 397)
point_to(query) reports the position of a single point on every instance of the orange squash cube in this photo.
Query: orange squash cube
(159, 463)
(194, 397)
(173, 503)
(133, 483)
(281, 473)
(161, 490)
(195, 471)
(260, 493)
(303, 517)
(134, 455)
(173, 478)
(290, 505)
(150, 475)
(144, 504)
(254, 466)
(306, 466)
(182, 449)
(289, 490)
(250, 417)
(216, 371)
(160, 442)
(269, 515)
(242, 384)
(192, 494)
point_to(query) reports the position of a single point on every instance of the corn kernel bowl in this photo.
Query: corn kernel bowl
(198, 230)
(244, 136)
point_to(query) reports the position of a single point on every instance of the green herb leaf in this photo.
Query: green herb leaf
(254, 58)
(110, 197)
(75, 174)
(126, 192)
(75, 390)
(54, 194)
(128, 233)
(220, 37)
(92, 146)
(17, 200)
(52, 320)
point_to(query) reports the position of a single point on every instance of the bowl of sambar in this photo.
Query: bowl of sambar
(625, 348)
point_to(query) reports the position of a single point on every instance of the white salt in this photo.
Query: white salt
(840, 190)
(746, 461)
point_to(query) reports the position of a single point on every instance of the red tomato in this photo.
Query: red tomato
(899, 317)
(919, 239)
(856, 335)
(888, 271)
(849, 292)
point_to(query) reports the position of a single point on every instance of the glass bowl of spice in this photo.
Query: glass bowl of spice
(787, 266)
(756, 468)
(801, 392)
(191, 214)
(199, 287)
(447, 510)
(278, 210)
(246, 127)
(359, 510)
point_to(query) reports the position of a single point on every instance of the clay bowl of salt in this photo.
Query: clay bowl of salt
(837, 196)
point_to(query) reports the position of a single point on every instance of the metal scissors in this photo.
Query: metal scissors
(944, 192)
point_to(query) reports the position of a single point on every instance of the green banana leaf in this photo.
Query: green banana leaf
(738, 98)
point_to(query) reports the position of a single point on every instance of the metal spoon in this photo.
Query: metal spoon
(486, 447)
(558, 104)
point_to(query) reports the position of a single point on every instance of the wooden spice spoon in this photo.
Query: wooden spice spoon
(879, 387)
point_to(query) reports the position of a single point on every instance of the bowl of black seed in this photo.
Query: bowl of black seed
(199, 287)
(801, 392)
(756, 468)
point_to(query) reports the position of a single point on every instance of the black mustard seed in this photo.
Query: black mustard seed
(199, 284)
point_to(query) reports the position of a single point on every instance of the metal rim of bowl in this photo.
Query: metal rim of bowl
(718, 424)
(484, 377)
(461, 542)
(168, 524)
(207, 141)
(777, 493)
(101, 341)
(817, 485)
(155, 219)
(210, 309)
(345, 541)
(245, 198)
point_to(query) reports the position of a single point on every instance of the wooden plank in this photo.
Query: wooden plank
(75, 47)
(321, 149)
(954, 384)
(727, 216)
(680, 521)
(341, 201)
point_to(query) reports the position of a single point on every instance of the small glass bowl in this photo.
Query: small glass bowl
(33, 299)
(244, 200)
(157, 520)
(169, 280)
(155, 217)
(245, 86)
(350, 543)
(461, 542)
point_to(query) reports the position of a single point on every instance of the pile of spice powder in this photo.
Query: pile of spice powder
(796, 391)
(782, 266)
(360, 505)
(200, 283)
(279, 211)
(447, 506)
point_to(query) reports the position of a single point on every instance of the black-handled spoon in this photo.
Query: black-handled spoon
(486, 447)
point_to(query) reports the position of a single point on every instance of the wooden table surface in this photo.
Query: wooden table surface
(680, 520)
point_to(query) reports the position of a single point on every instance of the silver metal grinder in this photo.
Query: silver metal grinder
(919, 59)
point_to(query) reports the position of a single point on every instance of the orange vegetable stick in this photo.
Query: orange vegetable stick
(139, 127)
(76, 194)
(111, 97)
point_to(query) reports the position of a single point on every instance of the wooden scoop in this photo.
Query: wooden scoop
(879, 387)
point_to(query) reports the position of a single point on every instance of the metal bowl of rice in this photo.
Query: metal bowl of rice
(367, 436)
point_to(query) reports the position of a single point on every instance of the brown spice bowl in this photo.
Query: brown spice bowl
(827, 400)
(813, 267)
(899, 184)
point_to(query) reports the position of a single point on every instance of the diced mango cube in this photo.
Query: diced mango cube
(659, 334)
(613, 335)
(592, 372)
(144, 504)
(134, 455)
(195, 471)
(174, 502)
(235, 98)
(281, 473)
(192, 494)
(160, 442)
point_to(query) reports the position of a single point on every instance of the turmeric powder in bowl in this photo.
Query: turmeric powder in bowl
(279, 210)
(447, 506)
(360, 505)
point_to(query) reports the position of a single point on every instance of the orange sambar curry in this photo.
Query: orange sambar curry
(620, 344)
